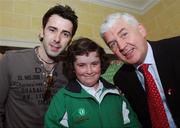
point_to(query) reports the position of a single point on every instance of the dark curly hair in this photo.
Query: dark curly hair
(65, 12)
(83, 46)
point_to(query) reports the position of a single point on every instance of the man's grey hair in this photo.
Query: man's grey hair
(112, 18)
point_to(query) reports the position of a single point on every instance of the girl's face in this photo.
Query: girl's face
(88, 69)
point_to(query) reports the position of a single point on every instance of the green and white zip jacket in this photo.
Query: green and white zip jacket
(73, 107)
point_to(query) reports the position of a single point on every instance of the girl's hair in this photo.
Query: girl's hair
(83, 46)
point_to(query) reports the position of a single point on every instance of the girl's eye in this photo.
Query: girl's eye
(95, 63)
(80, 65)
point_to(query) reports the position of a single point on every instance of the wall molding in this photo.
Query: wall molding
(20, 44)
(135, 6)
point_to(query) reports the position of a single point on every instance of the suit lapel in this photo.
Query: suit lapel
(165, 68)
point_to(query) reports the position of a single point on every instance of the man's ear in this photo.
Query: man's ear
(142, 30)
(41, 35)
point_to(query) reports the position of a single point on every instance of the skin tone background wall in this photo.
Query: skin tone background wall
(20, 20)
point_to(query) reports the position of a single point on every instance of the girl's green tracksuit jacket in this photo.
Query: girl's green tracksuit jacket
(82, 110)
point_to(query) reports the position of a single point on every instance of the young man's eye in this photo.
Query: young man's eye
(52, 30)
(66, 34)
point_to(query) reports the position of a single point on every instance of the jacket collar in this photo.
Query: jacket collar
(75, 87)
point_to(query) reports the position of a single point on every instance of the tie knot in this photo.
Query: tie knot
(143, 67)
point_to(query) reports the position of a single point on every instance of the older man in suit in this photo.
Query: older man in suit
(126, 37)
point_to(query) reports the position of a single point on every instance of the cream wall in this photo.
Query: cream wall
(20, 20)
(163, 20)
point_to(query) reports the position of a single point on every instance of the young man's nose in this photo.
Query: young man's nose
(57, 37)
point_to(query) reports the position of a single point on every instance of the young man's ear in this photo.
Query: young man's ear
(142, 30)
(41, 35)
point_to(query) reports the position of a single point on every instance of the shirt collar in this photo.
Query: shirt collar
(91, 89)
(149, 59)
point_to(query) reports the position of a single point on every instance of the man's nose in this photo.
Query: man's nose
(58, 37)
(121, 43)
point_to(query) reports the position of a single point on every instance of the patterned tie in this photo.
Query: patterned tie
(155, 103)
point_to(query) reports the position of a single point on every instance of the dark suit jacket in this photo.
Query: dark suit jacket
(167, 58)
